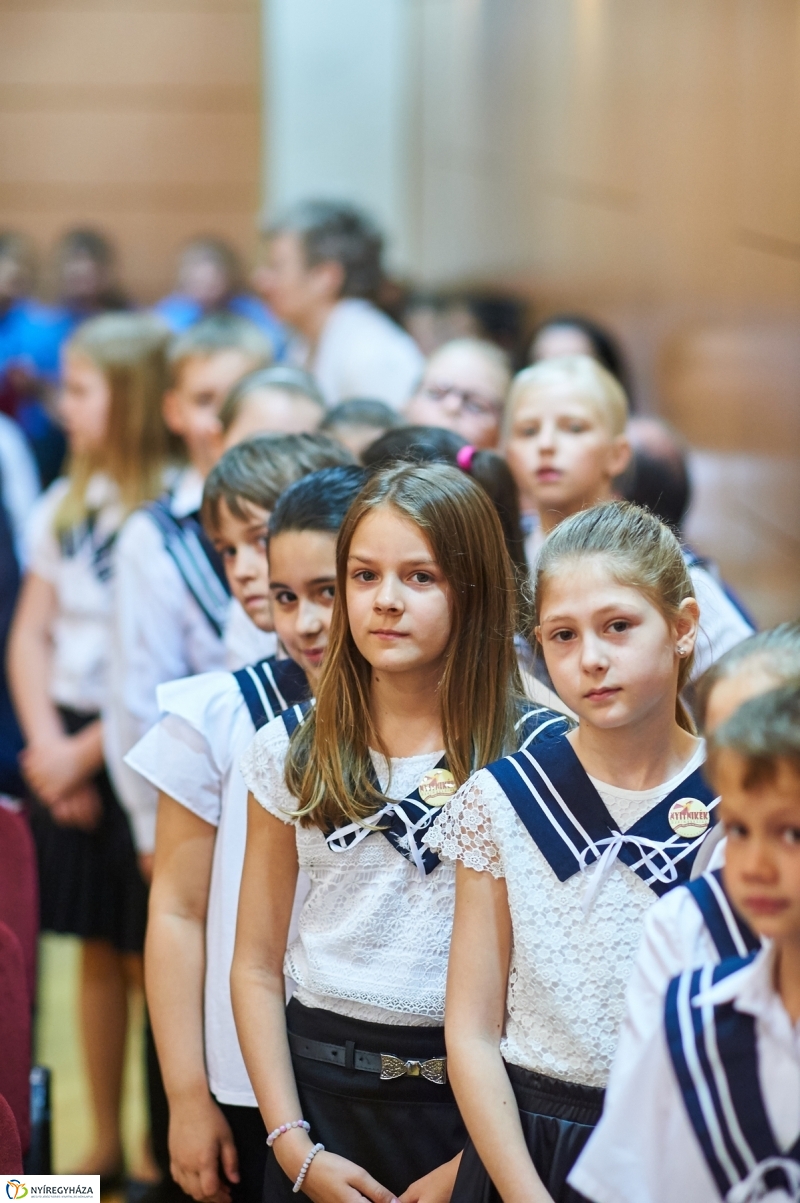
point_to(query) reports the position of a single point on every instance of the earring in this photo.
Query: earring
(681, 650)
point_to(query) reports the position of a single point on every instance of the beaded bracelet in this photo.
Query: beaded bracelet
(304, 1167)
(296, 1123)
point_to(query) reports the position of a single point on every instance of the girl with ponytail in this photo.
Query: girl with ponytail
(561, 849)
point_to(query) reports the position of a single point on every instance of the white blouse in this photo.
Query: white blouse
(192, 755)
(569, 972)
(373, 936)
(79, 567)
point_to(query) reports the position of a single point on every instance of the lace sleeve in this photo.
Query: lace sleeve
(463, 831)
(262, 767)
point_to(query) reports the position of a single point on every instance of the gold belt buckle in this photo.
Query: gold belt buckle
(434, 1070)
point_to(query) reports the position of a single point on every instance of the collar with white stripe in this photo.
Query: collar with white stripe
(732, 937)
(271, 686)
(568, 820)
(714, 1054)
(196, 559)
(405, 822)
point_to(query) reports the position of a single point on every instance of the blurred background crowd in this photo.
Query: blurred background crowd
(390, 208)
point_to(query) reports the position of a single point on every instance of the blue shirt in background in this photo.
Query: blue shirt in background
(180, 311)
(31, 335)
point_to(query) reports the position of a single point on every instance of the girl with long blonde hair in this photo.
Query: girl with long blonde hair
(562, 849)
(419, 688)
(110, 406)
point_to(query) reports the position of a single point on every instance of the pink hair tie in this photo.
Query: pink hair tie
(465, 456)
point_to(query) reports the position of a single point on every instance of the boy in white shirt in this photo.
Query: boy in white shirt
(217, 1139)
(696, 923)
(171, 600)
(706, 1103)
(566, 445)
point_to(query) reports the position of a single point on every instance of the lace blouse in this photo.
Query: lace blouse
(373, 936)
(568, 973)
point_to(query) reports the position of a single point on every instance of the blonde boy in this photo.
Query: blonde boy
(565, 443)
(565, 438)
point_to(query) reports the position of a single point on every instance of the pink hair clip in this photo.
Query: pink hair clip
(465, 456)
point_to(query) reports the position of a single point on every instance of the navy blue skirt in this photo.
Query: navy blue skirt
(397, 1130)
(89, 881)
(557, 1120)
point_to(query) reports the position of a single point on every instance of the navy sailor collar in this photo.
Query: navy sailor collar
(270, 687)
(405, 822)
(714, 1053)
(731, 935)
(571, 825)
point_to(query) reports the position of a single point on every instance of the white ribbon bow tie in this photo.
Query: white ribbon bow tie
(336, 841)
(649, 849)
(753, 1188)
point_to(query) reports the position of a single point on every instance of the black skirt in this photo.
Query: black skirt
(89, 881)
(396, 1130)
(250, 1138)
(557, 1120)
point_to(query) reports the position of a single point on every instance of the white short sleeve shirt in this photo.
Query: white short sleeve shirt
(373, 937)
(569, 970)
(644, 1150)
(192, 754)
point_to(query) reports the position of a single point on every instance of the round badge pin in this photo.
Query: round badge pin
(689, 818)
(437, 786)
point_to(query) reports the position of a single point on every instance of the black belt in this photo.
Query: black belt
(386, 1064)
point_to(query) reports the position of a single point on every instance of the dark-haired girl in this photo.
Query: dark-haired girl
(216, 1137)
(419, 688)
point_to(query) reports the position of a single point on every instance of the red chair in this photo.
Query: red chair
(15, 1032)
(10, 1148)
(19, 888)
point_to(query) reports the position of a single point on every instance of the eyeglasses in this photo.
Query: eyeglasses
(472, 403)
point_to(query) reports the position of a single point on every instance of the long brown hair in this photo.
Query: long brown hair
(130, 351)
(328, 768)
(641, 552)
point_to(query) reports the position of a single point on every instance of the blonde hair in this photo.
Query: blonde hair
(640, 551)
(130, 351)
(328, 768)
(213, 334)
(582, 375)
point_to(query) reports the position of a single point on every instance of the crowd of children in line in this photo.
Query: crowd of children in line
(359, 720)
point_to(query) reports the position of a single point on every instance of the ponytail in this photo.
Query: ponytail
(642, 552)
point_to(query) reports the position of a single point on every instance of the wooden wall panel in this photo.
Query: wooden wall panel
(137, 116)
(638, 159)
(623, 148)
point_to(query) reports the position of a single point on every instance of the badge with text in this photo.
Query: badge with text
(689, 818)
(437, 786)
